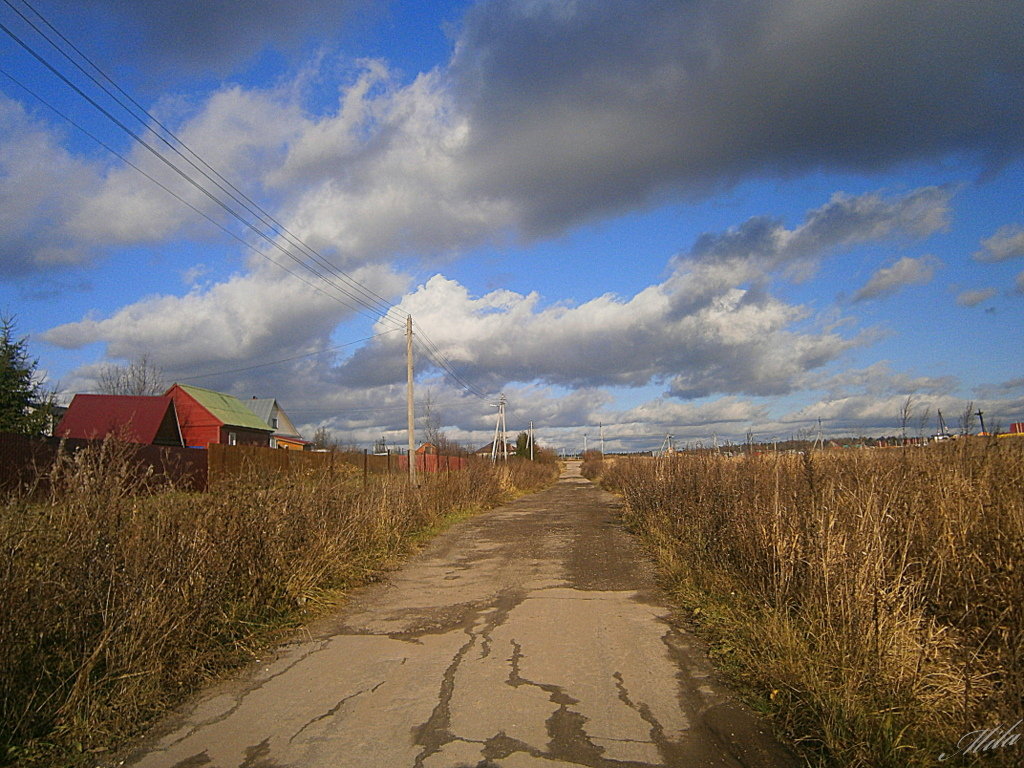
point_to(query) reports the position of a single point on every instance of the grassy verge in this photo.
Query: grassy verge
(871, 601)
(120, 598)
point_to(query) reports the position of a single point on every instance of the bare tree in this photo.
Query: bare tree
(432, 431)
(323, 440)
(906, 412)
(967, 419)
(140, 376)
(922, 421)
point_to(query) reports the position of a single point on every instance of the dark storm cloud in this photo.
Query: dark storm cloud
(200, 36)
(587, 107)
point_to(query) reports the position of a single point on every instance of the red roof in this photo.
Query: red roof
(146, 420)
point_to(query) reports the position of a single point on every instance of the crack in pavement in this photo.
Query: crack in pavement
(666, 748)
(239, 698)
(433, 734)
(569, 740)
(333, 710)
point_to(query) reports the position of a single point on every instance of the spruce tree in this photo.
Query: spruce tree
(24, 407)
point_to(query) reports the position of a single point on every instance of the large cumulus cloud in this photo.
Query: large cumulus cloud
(713, 326)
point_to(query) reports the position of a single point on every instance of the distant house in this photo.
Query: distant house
(428, 448)
(285, 434)
(208, 418)
(145, 420)
(486, 450)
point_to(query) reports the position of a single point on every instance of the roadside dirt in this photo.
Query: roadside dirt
(531, 635)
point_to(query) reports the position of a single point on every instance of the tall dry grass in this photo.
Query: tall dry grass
(873, 599)
(120, 594)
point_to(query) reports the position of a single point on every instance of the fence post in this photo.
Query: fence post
(365, 459)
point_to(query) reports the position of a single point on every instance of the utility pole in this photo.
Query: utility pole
(500, 427)
(600, 426)
(584, 445)
(410, 411)
(981, 418)
(531, 441)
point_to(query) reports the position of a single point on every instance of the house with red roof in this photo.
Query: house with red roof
(136, 419)
(208, 418)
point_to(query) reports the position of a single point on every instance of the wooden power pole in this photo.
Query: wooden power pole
(410, 411)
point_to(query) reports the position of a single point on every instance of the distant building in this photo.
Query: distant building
(486, 450)
(135, 419)
(209, 418)
(285, 434)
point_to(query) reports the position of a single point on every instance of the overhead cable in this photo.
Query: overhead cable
(378, 311)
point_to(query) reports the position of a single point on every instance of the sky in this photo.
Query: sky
(633, 219)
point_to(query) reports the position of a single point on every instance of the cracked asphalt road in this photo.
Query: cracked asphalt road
(530, 635)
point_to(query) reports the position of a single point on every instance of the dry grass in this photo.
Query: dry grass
(120, 597)
(872, 599)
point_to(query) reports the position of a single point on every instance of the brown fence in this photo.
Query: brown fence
(231, 460)
(26, 461)
(432, 462)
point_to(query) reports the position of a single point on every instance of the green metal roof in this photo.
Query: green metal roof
(227, 408)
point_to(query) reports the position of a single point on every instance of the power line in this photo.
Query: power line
(234, 192)
(171, 192)
(442, 361)
(375, 308)
(375, 301)
(347, 292)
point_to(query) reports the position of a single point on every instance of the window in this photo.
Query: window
(273, 423)
(232, 438)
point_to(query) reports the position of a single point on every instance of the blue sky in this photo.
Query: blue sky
(690, 218)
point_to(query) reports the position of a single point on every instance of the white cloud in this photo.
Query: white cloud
(248, 318)
(1006, 243)
(41, 184)
(386, 174)
(879, 380)
(888, 280)
(710, 327)
(238, 133)
(974, 298)
(734, 343)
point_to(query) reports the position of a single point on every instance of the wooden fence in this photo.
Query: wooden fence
(27, 461)
(228, 461)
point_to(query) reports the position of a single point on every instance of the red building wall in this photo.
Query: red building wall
(199, 427)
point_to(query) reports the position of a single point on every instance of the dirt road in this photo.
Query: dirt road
(531, 635)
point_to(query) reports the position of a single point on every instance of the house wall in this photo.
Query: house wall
(243, 436)
(198, 427)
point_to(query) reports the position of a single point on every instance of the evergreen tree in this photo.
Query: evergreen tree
(523, 445)
(24, 406)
